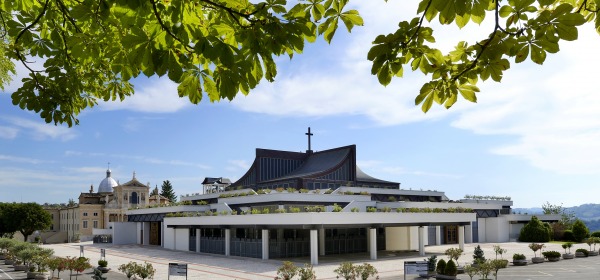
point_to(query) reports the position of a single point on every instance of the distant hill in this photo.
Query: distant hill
(589, 213)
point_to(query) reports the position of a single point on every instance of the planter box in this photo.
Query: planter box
(9, 262)
(537, 260)
(592, 253)
(21, 267)
(103, 269)
(519, 262)
(554, 259)
(568, 256)
(580, 255)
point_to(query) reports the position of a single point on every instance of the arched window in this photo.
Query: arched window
(134, 198)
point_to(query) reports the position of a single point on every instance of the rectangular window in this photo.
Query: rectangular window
(85, 214)
(85, 224)
(95, 214)
(95, 224)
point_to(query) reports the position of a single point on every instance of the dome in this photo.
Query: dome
(106, 186)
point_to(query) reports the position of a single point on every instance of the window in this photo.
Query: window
(85, 224)
(85, 214)
(95, 214)
(95, 224)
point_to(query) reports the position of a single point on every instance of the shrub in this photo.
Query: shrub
(337, 208)
(450, 269)
(519, 257)
(386, 209)
(595, 234)
(471, 270)
(566, 246)
(355, 209)
(478, 256)
(371, 209)
(454, 253)
(346, 271)
(365, 270)
(431, 262)
(287, 270)
(303, 190)
(392, 198)
(584, 251)
(202, 202)
(535, 247)
(307, 273)
(441, 266)
(102, 263)
(568, 235)
(499, 250)
(291, 190)
(535, 231)
(551, 254)
(580, 230)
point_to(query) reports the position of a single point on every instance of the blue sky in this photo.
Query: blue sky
(534, 137)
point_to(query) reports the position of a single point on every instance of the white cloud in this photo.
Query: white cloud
(22, 159)
(40, 130)
(8, 132)
(156, 95)
(552, 110)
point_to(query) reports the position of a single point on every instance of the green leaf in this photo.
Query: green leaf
(468, 92)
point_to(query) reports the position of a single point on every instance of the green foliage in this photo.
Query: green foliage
(102, 263)
(535, 231)
(499, 251)
(566, 246)
(478, 255)
(132, 269)
(536, 247)
(97, 275)
(454, 253)
(371, 209)
(337, 208)
(585, 252)
(568, 235)
(551, 254)
(595, 234)
(365, 270)
(166, 190)
(580, 230)
(307, 272)
(431, 263)
(518, 257)
(451, 268)
(23, 217)
(441, 266)
(471, 270)
(346, 271)
(485, 268)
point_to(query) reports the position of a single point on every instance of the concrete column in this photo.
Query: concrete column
(469, 233)
(369, 239)
(438, 235)
(314, 247)
(265, 244)
(198, 240)
(373, 243)
(421, 241)
(461, 237)
(227, 242)
(162, 234)
(321, 242)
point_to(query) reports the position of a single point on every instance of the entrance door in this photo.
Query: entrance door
(154, 233)
(450, 234)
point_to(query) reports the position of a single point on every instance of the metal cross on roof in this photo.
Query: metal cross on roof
(309, 135)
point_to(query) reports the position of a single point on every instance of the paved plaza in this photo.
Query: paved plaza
(390, 264)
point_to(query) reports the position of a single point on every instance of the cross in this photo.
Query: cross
(309, 135)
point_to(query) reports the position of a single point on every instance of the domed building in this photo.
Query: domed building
(98, 210)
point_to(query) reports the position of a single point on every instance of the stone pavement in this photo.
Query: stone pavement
(390, 264)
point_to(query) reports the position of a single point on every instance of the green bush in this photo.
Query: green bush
(431, 262)
(441, 266)
(584, 251)
(551, 254)
(568, 235)
(287, 270)
(450, 269)
(478, 256)
(518, 257)
(580, 230)
(535, 231)
(595, 234)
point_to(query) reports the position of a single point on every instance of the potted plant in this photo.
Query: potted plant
(592, 241)
(502, 263)
(536, 247)
(307, 272)
(567, 255)
(431, 264)
(519, 260)
(551, 256)
(365, 270)
(581, 253)
(103, 266)
(478, 256)
(471, 271)
(346, 271)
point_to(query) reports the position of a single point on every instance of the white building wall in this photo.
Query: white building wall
(138, 229)
(182, 239)
(497, 229)
(124, 233)
(168, 237)
(481, 228)
(514, 231)
(403, 238)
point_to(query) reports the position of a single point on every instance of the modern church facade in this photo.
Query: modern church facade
(291, 204)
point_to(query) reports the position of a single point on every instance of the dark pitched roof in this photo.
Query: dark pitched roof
(218, 180)
(319, 162)
(364, 177)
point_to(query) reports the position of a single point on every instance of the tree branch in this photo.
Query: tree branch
(418, 26)
(484, 46)
(66, 13)
(164, 27)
